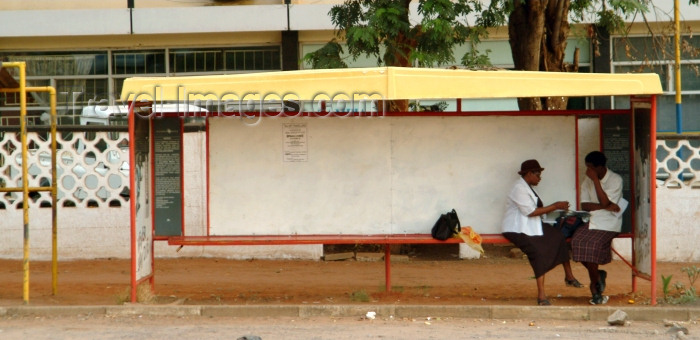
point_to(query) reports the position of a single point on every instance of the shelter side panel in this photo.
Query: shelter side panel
(643, 179)
(142, 196)
(379, 175)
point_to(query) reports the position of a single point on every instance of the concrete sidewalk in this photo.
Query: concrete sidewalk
(575, 313)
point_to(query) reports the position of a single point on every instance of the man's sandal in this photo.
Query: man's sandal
(573, 283)
(543, 302)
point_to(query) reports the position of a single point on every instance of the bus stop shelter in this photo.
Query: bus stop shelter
(314, 152)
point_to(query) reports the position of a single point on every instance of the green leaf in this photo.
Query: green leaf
(327, 56)
(611, 21)
(629, 6)
(476, 59)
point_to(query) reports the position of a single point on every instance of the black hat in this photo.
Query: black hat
(529, 165)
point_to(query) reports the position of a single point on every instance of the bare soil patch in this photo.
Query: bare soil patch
(432, 275)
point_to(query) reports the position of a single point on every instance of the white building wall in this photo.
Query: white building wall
(83, 233)
(677, 232)
(104, 232)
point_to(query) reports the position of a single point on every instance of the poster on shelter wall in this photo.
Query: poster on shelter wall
(295, 143)
(642, 189)
(167, 195)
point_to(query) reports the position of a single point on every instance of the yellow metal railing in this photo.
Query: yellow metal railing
(22, 90)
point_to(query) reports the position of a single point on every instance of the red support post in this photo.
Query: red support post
(387, 267)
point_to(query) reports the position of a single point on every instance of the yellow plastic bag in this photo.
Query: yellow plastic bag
(471, 238)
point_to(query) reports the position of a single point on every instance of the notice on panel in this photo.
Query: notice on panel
(167, 169)
(295, 143)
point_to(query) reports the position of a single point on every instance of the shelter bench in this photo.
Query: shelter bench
(385, 239)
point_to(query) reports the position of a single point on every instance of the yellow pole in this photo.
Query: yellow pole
(23, 88)
(31, 189)
(25, 177)
(677, 68)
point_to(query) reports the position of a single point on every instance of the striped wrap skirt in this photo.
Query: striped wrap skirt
(592, 245)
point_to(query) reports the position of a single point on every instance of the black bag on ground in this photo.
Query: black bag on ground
(568, 224)
(446, 226)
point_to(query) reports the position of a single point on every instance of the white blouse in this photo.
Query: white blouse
(521, 202)
(603, 219)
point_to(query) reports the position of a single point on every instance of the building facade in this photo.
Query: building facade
(85, 49)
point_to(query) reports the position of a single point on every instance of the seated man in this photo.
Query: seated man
(601, 190)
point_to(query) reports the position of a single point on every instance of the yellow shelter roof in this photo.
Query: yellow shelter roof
(388, 83)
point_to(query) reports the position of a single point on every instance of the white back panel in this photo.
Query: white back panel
(380, 175)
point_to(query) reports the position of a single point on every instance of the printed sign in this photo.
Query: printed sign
(295, 146)
(168, 193)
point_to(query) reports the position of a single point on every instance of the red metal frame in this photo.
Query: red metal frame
(576, 156)
(182, 176)
(386, 240)
(632, 201)
(132, 201)
(652, 194)
(206, 141)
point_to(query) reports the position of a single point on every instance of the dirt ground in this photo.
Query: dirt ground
(89, 327)
(430, 276)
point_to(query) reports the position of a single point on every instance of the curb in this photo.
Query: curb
(382, 311)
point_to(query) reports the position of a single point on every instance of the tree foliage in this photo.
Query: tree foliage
(537, 29)
(383, 29)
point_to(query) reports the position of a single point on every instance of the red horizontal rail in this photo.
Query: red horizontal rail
(222, 240)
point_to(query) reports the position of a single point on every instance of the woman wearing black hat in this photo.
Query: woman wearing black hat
(544, 246)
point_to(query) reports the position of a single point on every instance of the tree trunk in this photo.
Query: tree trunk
(525, 32)
(402, 59)
(400, 56)
(557, 31)
(538, 30)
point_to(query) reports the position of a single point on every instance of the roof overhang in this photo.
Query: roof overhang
(388, 83)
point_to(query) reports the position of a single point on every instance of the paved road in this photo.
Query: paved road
(201, 327)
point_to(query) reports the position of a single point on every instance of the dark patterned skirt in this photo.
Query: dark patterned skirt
(544, 252)
(592, 245)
